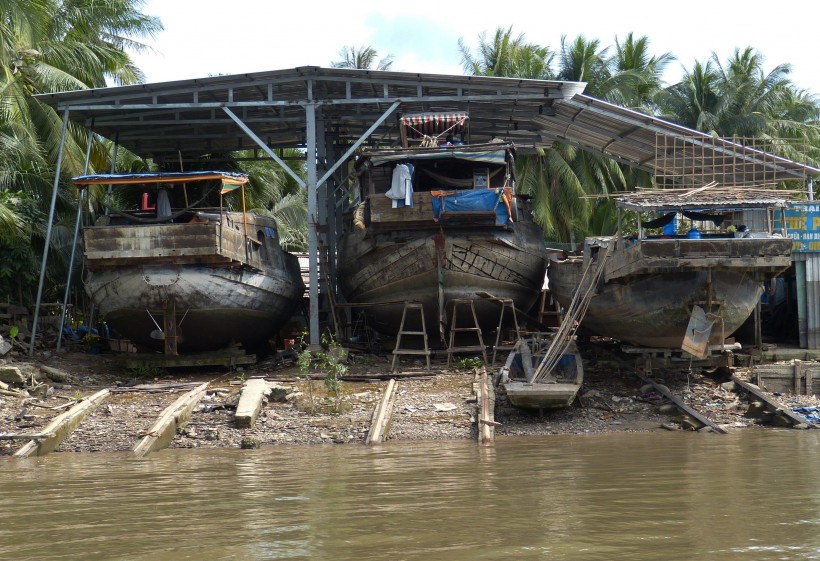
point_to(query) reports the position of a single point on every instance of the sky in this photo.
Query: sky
(208, 37)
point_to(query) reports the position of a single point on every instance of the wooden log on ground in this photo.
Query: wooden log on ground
(61, 427)
(253, 393)
(55, 374)
(382, 415)
(664, 391)
(174, 417)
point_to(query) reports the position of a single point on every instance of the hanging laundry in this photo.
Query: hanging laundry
(402, 180)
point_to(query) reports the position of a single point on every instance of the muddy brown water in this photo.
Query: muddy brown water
(749, 495)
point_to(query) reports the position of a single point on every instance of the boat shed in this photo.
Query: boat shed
(331, 113)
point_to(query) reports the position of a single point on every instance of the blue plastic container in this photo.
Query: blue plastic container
(693, 234)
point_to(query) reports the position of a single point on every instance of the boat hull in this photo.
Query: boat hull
(653, 310)
(384, 270)
(526, 395)
(214, 306)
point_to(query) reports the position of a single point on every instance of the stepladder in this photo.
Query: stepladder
(507, 305)
(399, 349)
(458, 327)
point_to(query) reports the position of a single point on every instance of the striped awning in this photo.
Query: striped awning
(418, 125)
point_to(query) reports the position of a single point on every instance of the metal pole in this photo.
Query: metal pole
(48, 232)
(74, 243)
(113, 169)
(313, 216)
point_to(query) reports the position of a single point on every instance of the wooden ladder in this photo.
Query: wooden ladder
(398, 350)
(549, 307)
(505, 302)
(454, 328)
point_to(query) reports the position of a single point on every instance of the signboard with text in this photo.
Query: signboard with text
(803, 225)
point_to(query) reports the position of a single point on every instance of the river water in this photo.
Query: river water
(750, 495)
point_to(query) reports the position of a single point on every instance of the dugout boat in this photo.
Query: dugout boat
(535, 378)
(716, 261)
(436, 223)
(183, 273)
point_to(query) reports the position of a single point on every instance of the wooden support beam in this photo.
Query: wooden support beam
(382, 415)
(486, 408)
(772, 405)
(175, 416)
(61, 427)
(663, 390)
(254, 391)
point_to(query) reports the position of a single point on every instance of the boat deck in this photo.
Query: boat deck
(767, 255)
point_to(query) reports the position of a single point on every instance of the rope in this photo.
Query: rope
(575, 313)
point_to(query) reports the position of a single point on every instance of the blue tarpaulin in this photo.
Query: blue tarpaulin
(473, 200)
(812, 414)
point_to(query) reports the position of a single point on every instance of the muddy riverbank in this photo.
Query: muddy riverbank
(435, 405)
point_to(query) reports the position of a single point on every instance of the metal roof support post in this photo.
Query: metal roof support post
(313, 204)
(48, 231)
(74, 243)
(113, 169)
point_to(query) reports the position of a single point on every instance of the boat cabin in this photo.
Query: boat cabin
(451, 185)
(702, 228)
(170, 219)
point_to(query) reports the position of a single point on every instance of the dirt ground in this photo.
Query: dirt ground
(435, 405)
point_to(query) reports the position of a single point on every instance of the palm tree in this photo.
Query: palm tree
(740, 100)
(637, 76)
(362, 58)
(54, 45)
(507, 56)
(276, 194)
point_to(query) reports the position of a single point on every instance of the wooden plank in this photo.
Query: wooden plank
(61, 427)
(180, 361)
(382, 415)
(486, 401)
(22, 436)
(681, 405)
(253, 393)
(772, 405)
(174, 417)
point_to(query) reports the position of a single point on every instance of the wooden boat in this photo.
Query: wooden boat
(185, 276)
(458, 229)
(526, 388)
(651, 283)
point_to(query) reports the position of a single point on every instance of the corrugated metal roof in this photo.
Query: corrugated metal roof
(193, 117)
(188, 115)
(662, 147)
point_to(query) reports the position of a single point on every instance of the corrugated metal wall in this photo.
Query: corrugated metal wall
(807, 273)
(812, 261)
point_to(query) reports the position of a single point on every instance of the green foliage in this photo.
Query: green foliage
(467, 363)
(146, 372)
(331, 361)
(362, 58)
